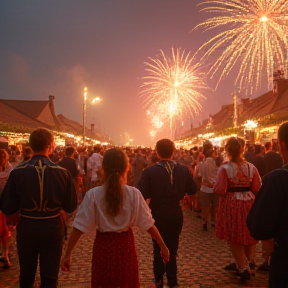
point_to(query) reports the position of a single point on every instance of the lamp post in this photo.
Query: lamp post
(84, 113)
(235, 109)
(95, 100)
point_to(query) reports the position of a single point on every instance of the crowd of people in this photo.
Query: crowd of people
(112, 189)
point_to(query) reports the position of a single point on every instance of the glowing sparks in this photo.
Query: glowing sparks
(171, 89)
(85, 93)
(253, 39)
(263, 19)
(250, 125)
(96, 99)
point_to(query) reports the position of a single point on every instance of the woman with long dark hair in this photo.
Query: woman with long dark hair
(113, 209)
(237, 183)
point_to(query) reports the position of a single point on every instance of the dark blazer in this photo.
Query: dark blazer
(38, 188)
(155, 184)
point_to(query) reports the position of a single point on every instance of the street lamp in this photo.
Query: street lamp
(95, 100)
(84, 113)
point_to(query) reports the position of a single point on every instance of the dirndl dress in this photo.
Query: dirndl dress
(115, 260)
(236, 185)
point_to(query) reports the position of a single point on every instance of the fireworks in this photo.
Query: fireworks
(253, 39)
(171, 89)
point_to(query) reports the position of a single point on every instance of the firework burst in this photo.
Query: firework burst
(253, 39)
(171, 89)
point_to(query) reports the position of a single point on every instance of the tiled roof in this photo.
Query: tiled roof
(266, 104)
(34, 114)
(69, 125)
(73, 127)
(224, 118)
(259, 107)
(281, 103)
(30, 108)
(11, 116)
(28, 113)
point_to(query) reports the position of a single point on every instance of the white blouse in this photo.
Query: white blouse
(92, 212)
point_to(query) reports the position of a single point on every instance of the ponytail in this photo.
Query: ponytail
(115, 163)
(113, 193)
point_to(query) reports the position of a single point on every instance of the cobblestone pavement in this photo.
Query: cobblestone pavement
(200, 261)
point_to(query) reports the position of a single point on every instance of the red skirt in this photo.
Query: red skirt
(115, 261)
(231, 220)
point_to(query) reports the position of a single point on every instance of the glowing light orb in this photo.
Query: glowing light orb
(250, 124)
(264, 19)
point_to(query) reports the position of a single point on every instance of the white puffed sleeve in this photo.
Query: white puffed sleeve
(85, 219)
(142, 216)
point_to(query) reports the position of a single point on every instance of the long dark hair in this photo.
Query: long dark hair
(115, 164)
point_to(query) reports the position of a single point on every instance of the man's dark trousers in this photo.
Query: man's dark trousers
(278, 277)
(170, 229)
(47, 242)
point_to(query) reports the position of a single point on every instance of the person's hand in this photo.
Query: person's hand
(13, 219)
(165, 254)
(65, 264)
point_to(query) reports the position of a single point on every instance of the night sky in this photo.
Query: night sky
(58, 47)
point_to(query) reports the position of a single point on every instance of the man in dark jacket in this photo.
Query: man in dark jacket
(165, 184)
(68, 162)
(272, 159)
(37, 191)
(268, 216)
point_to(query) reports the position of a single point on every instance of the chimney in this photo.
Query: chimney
(52, 110)
(280, 86)
(240, 109)
(245, 102)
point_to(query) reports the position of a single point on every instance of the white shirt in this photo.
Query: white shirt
(208, 171)
(94, 163)
(92, 212)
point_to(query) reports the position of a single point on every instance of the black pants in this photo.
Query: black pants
(278, 277)
(43, 239)
(170, 226)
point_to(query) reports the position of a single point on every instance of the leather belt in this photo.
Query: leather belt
(238, 189)
(40, 217)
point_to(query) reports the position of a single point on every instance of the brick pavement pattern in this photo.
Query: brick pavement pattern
(201, 259)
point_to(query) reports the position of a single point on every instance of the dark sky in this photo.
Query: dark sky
(59, 47)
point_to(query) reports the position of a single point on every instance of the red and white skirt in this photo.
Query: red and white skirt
(231, 220)
(115, 261)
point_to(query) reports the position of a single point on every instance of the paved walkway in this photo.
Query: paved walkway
(200, 263)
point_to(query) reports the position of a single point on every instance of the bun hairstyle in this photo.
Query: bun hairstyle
(234, 147)
(115, 164)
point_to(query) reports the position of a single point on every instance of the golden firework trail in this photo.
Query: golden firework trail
(253, 39)
(172, 88)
